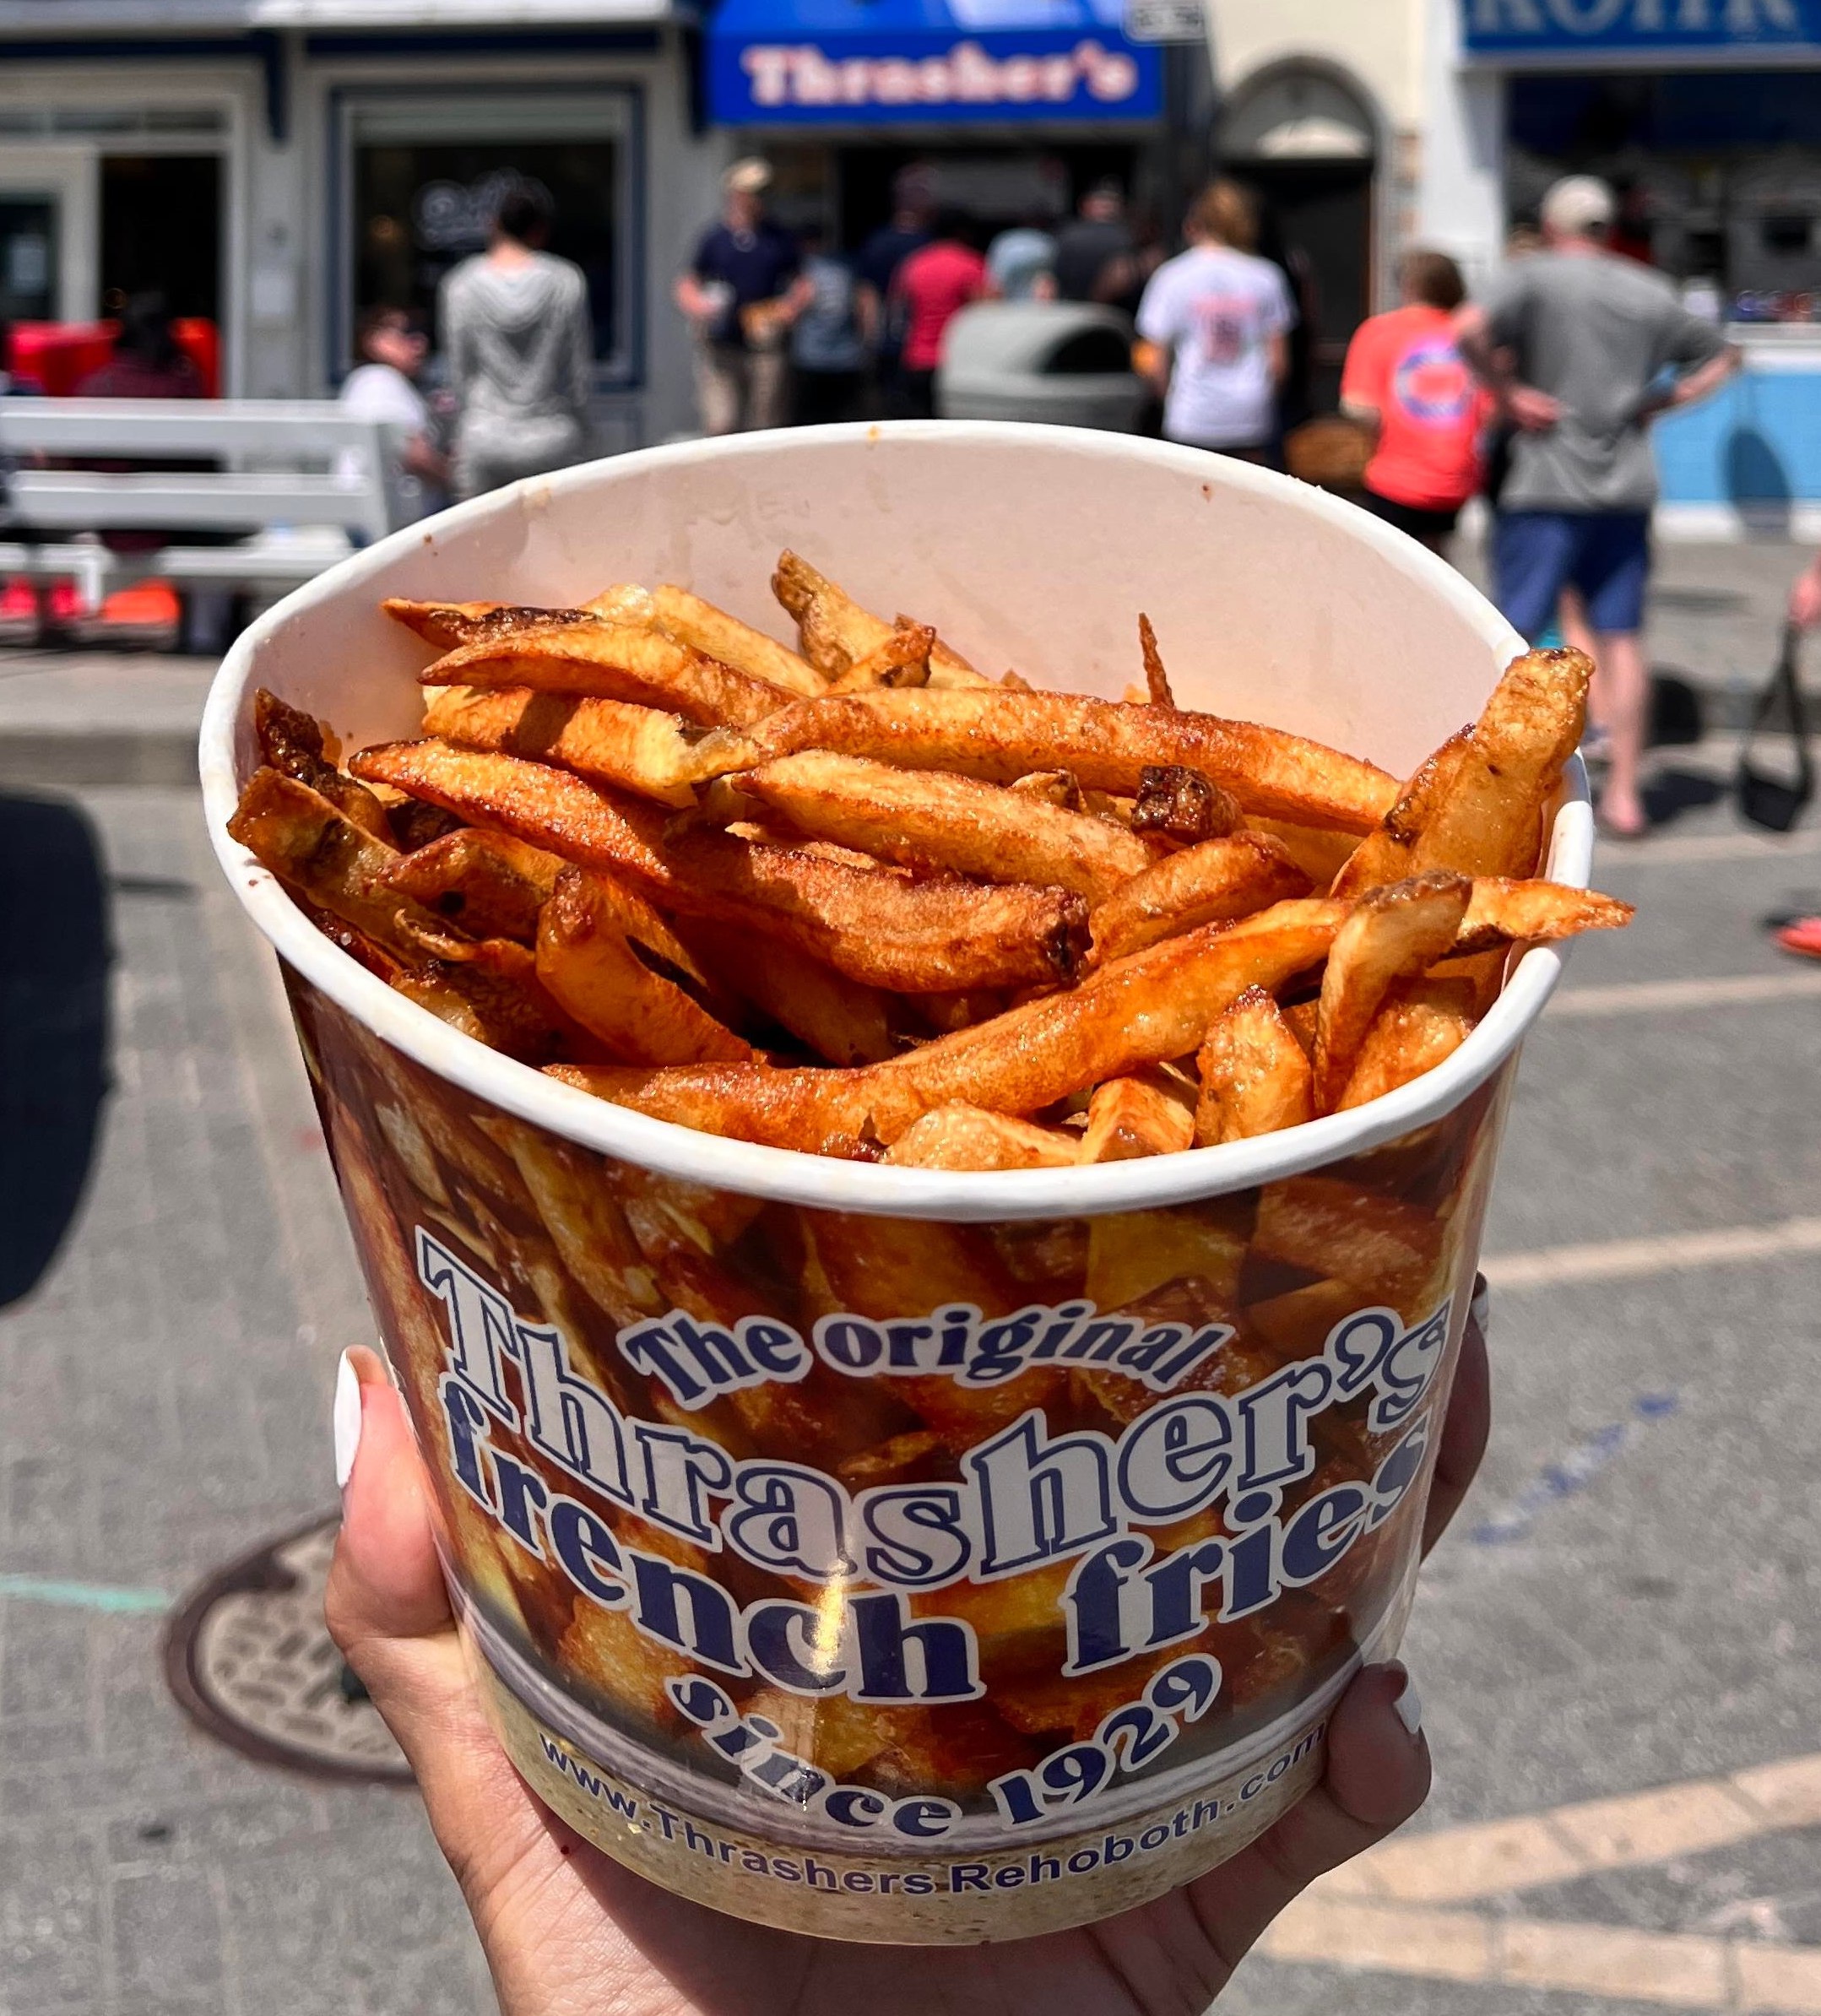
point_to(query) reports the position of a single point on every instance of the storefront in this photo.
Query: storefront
(1013, 108)
(277, 165)
(1705, 116)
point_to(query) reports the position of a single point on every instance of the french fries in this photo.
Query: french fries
(1220, 879)
(837, 633)
(959, 1136)
(488, 883)
(1255, 1077)
(1157, 680)
(607, 741)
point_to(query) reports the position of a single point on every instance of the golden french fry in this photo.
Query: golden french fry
(591, 935)
(836, 631)
(1320, 852)
(1419, 1023)
(901, 660)
(488, 883)
(1052, 787)
(998, 736)
(634, 748)
(1300, 1019)
(959, 1136)
(882, 930)
(929, 821)
(1128, 1118)
(292, 742)
(1475, 807)
(692, 620)
(1501, 912)
(837, 1018)
(450, 625)
(1256, 1077)
(1393, 931)
(1157, 680)
(1182, 805)
(1220, 879)
(611, 661)
(492, 986)
(1140, 1011)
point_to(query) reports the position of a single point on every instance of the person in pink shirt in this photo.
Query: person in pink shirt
(929, 289)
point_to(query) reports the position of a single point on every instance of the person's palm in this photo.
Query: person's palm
(567, 1931)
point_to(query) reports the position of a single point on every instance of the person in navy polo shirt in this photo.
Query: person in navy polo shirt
(743, 291)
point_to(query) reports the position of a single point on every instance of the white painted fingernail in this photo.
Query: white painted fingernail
(1409, 1707)
(347, 1420)
(1482, 1307)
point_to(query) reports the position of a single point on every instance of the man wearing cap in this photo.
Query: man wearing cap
(1583, 349)
(742, 293)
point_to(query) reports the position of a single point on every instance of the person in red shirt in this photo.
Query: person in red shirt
(1405, 378)
(929, 290)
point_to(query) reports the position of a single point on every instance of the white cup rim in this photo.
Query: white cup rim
(784, 1175)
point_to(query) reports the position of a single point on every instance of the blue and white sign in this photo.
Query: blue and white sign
(1647, 28)
(898, 62)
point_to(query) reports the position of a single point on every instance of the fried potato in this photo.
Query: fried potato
(1208, 884)
(1052, 787)
(1475, 807)
(607, 741)
(488, 883)
(930, 820)
(1256, 1077)
(836, 632)
(1140, 1011)
(610, 661)
(1419, 1023)
(880, 930)
(1320, 852)
(699, 624)
(901, 660)
(1128, 1118)
(1107, 744)
(1182, 805)
(596, 940)
(841, 1021)
(1500, 911)
(1393, 931)
(292, 742)
(450, 625)
(1157, 680)
(959, 1136)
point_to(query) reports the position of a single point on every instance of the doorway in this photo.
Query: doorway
(1319, 212)
(161, 231)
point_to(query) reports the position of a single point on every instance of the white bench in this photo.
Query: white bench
(301, 482)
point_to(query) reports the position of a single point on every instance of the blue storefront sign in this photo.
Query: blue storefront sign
(1652, 31)
(898, 62)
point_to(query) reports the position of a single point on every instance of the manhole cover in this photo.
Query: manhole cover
(249, 1656)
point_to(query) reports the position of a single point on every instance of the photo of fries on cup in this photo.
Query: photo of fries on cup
(923, 1205)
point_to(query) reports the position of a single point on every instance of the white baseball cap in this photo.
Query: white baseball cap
(749, 177)
(1578, 206)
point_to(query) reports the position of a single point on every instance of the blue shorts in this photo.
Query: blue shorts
(1605, 554)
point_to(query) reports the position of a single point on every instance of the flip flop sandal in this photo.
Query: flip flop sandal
(1803, 938)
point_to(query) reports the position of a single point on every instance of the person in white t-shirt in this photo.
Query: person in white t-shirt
(1218, 318)
(382, 388)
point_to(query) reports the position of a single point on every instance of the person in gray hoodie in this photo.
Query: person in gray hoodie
(520, 347)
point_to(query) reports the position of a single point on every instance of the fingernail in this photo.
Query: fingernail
(1409, 1706)
(347, 1419)
(1482, 1306)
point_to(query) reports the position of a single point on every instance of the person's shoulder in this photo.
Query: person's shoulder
(563, 272)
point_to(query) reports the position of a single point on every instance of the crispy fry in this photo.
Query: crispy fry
(1475, 807)
(1207, 883)
(1393, 932)
(882, 930)
(1300, 1019)
(901, 660)
(836, 631)
(450, 625)
(959, 1136)
(1128, 1118)
(998, 736)
(607, 741)
(1053, 787)
(1182, 805)
(610, 661)
(591, 936)
(489, 990)
(1157, 680)
(1320, 852)
(1419, 1023)
(1256, 1077)
(930, 820)
(692, 620)
(838, 1019)
(488, 883)
(291, 743)
(1141, 1010)
(1500, 911)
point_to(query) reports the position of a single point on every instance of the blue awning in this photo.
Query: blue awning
(904, 62)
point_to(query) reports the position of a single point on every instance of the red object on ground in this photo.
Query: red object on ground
(1803, 937)
(56, 356)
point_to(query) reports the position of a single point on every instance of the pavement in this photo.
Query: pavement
(1628, 1610)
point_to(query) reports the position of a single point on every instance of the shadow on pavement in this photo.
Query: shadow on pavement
(54, 954)
(1670, 793)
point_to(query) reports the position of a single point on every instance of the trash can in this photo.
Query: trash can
(1066, 362)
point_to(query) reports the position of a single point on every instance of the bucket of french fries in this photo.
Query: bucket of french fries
(913, 1024)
